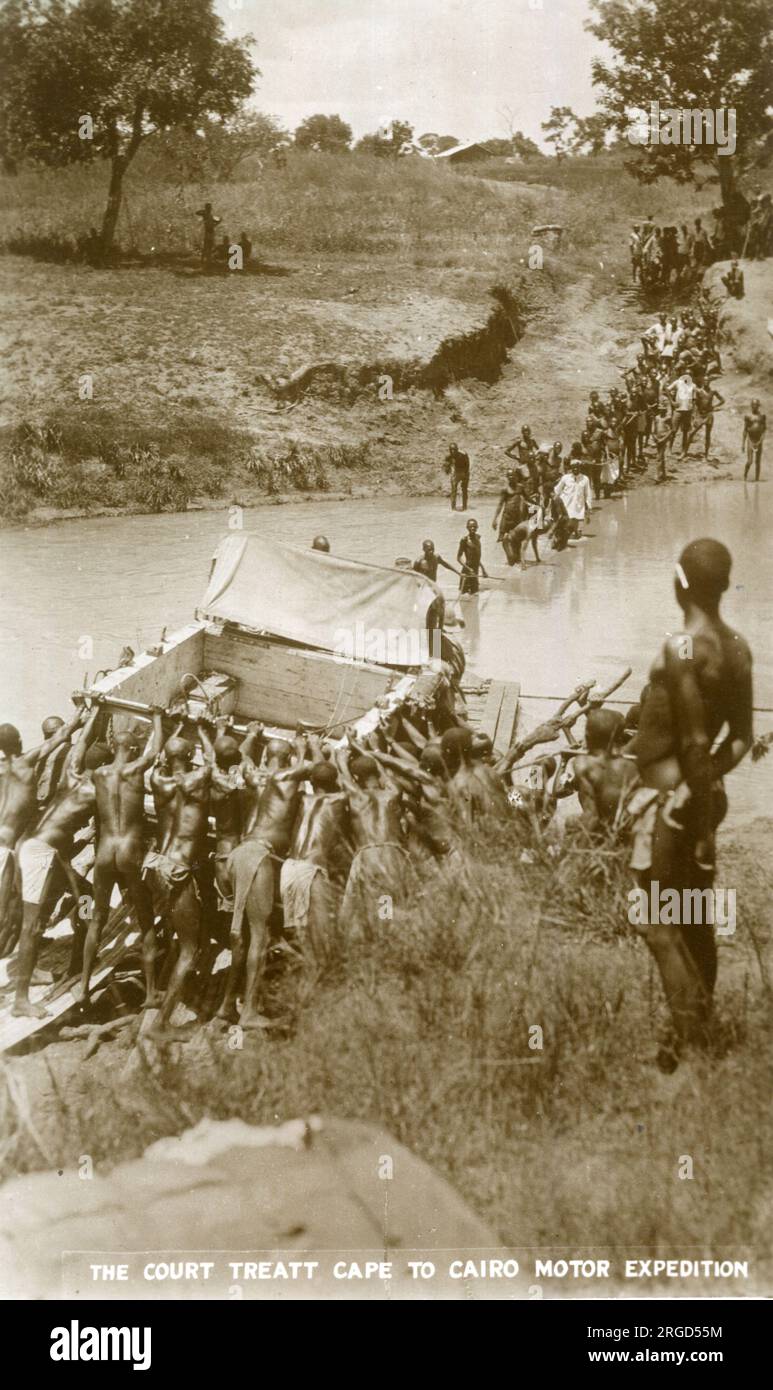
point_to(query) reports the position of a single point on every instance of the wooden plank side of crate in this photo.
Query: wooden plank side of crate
(284, 685)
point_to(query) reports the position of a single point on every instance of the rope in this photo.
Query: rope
(758, 709)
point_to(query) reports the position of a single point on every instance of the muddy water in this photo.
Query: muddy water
(604, 604)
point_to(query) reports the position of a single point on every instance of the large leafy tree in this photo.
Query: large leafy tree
(89, 79)
(716, 54)
(328, 134)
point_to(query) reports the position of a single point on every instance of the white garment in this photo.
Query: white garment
(35, 858)
(573, 489)
(685, 394)
(296, 878)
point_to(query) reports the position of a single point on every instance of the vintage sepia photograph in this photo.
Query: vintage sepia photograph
(386, 838)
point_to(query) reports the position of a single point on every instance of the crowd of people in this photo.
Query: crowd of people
(242, 823)
(679, 255)
(258, 840)
(668, 399)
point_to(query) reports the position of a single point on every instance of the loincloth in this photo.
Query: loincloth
(643, 809)
(10, 881)
(641, 813)
(243, 864)
(167, 878)
(377, 871)
(225, 900)
(295, 881)
(36, 859)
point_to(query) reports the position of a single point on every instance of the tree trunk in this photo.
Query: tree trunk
(110, 219)
(726, 180)
(735, 205)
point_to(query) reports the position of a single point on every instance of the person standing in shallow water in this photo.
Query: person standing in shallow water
(700, 683)
(469, 556)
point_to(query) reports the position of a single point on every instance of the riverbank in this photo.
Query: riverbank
(332, 369)
(93, 461)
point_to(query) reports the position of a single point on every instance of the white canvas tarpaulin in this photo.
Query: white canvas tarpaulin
(310, 597)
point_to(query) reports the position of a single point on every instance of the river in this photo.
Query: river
(75, 593)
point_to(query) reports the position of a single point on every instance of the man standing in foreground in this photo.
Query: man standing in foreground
(700, 683)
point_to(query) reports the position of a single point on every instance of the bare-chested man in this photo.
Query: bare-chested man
(181, 792)
(700, 683)
(465, 787)
(307, 896)
(252, 867)
(44, 859)
(50, 767)
(19, 774)
(380, 867)
(706, 398)
(482, 759)
(601, 775)
(434, 837)
(429, 561)
(231, 801)
(120, 809)
(661, 433)
(754, 428)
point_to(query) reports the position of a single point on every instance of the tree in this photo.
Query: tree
(713, 57)
(88, 79)
(213, 152)
(559, 129)
(590, 134)
(524, 147)
(229, 141)
(328, 134)
(498, 148)
(387, 142)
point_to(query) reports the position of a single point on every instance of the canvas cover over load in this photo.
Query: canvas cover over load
(310, 597)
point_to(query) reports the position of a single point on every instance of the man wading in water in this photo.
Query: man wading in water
(701, 681)
(429, 561)
(470, 558)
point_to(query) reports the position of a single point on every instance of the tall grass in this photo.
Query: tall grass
(317, 203)
(429, 1029)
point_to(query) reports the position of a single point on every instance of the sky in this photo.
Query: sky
(455, 67)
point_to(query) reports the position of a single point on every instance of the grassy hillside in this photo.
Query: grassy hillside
(361, 265)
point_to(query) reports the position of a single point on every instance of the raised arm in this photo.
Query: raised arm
(77, 755)
(153, 746)
(341, 760)
(43, 751)
(405, 766)
(252, 745)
